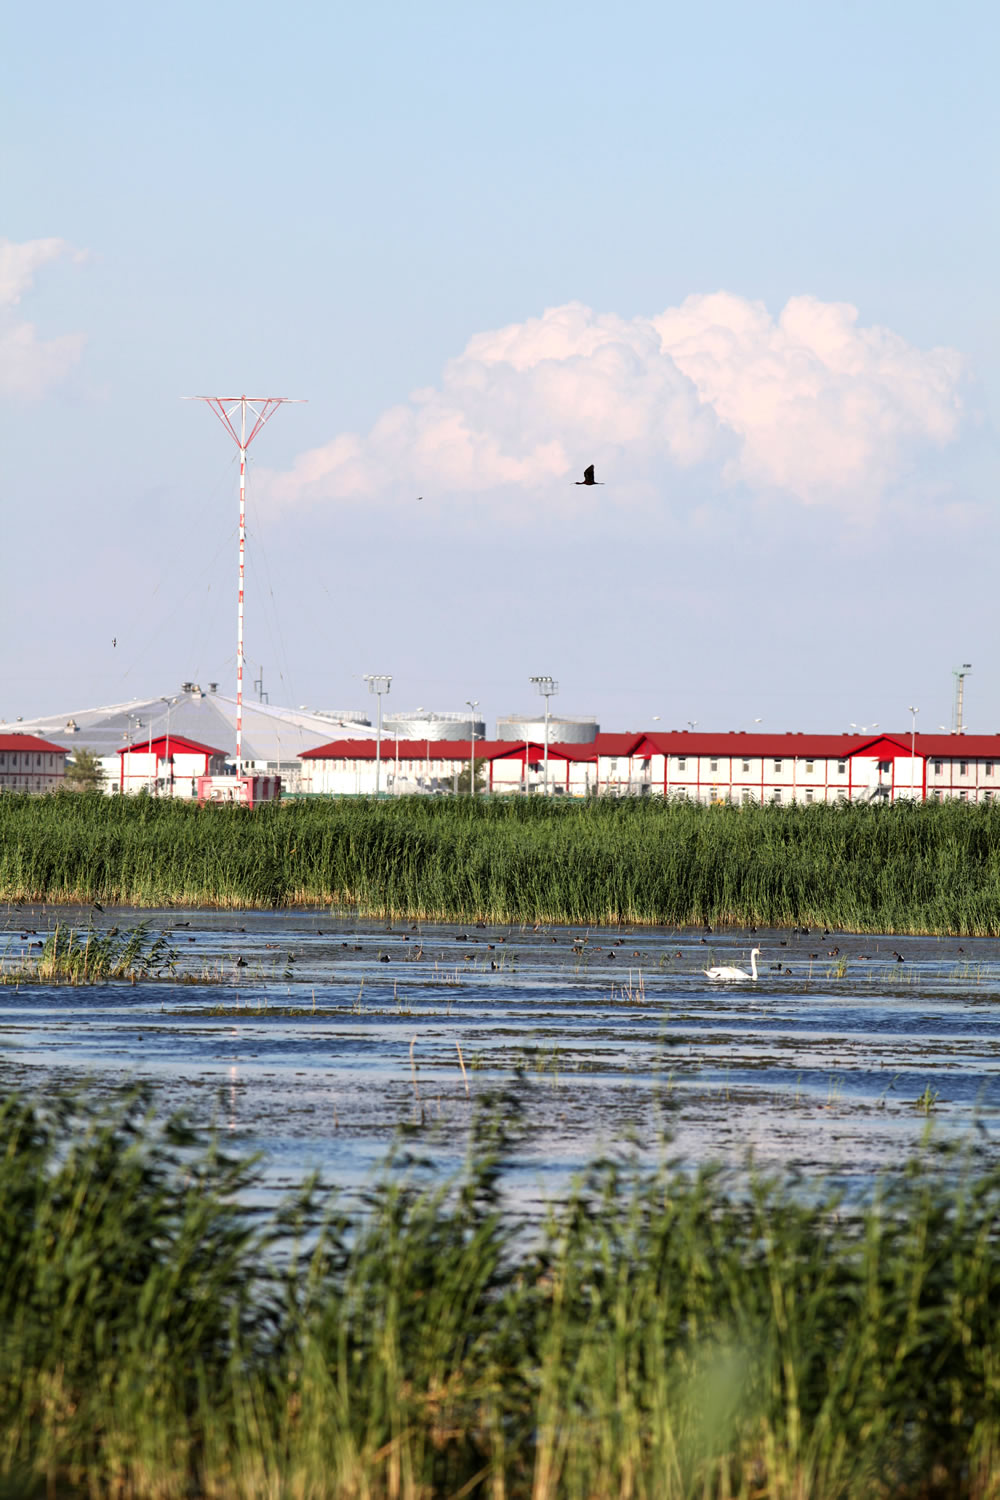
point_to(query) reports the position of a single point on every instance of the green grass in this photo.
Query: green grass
(671, 1336)
(903, 868)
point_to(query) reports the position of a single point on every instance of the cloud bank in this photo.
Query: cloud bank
(807, 404)
(29, 365)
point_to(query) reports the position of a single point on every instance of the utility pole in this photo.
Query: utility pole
(378, 684)
(472, 703)
(261, 409)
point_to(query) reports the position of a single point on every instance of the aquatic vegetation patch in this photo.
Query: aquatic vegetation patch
(89, 956)
(897, 868)
(663, 1334)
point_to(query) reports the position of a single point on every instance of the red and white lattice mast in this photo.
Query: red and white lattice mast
(261, 409)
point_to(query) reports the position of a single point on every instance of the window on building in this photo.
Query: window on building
(987, 795)
(777, 765)
(809, 793)
(746, 765)
(776, 797)
(809, 765)
(937, 768)
(714, 763)
(963, 768)
(885, 767)
(841, 767)
(963, 795)
(682, 764)
(935, 795)
(988, 768)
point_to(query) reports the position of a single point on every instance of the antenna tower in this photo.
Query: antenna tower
(261, 409)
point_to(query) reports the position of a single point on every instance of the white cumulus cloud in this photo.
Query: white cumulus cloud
(30, 364)
(808, 404)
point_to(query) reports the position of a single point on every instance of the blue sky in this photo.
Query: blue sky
(354, 204)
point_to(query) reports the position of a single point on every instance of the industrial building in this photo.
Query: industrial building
(702, 767)
(183, 744)
(30, 764)
(273, 737)
(168, 766)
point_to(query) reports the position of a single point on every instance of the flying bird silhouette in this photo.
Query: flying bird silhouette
(588, 476)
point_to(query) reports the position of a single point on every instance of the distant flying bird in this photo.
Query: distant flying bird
(588, 476)
(114, 641)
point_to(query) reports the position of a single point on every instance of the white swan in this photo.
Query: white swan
(726, 971)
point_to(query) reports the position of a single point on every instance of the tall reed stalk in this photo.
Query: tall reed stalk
(667, 1335)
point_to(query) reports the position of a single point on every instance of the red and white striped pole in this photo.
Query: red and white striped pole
(261, 409)
(239, 606)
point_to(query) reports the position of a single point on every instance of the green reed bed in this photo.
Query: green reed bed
(666, 1336)
(74, 957)
(901, 868)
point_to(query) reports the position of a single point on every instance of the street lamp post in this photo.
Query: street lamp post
(378, 684)
(913, 750)
(472, 703)
(170, 770)
(547, 686)
(129, 736)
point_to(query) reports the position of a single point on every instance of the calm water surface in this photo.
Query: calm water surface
(313, 1038)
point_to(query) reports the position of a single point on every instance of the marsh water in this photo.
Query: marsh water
(314, 1039)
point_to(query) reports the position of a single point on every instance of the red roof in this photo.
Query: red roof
(446, 750)
(30, 742)
(177, 742)
(739, 743)
(736, 744)
(617, 744)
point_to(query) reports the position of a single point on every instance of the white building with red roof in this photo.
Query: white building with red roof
(168, 765)
(30, 764)
(780, 769)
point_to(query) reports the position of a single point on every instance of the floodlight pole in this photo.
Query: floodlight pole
(913, 751)
(378, 684)
(262, 408)
(546, 686)
(959, 675)
(472, 703)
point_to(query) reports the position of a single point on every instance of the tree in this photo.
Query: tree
(480, 775)
(84, 772)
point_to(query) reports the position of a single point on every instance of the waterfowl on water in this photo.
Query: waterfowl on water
(728, 971)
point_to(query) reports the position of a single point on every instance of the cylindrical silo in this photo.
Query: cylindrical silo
(426, 725)
(562, 731)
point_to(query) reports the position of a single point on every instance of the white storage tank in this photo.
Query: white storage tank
(422, 724)
(562, 731)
